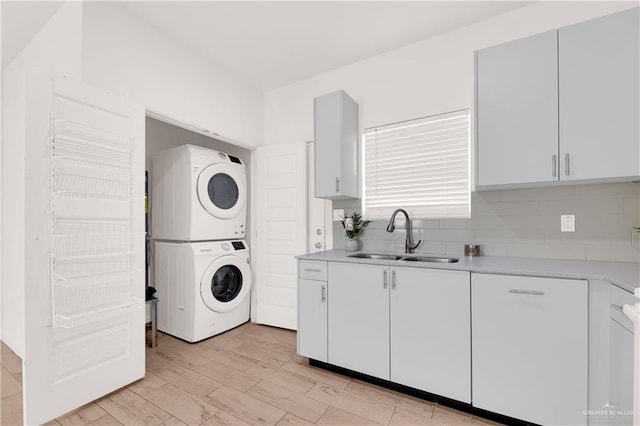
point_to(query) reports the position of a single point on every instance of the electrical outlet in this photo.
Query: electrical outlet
(568, 223)
(338, 214)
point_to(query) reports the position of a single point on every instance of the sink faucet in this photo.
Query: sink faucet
(408, 243)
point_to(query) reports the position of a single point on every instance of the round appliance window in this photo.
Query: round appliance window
(223, 191)
(226, 283)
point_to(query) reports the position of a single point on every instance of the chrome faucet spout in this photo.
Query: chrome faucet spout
(409, 246)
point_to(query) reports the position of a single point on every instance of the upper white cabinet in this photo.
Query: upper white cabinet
(599, 72)
(529, 347)
(336, 146)
(517, 111)
(560, 106)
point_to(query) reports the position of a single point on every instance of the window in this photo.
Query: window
(420, 165)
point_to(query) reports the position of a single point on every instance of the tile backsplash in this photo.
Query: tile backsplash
(522, 223)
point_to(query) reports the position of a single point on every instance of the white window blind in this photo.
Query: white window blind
(420, 165)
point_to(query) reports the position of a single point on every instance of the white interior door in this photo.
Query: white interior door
(84, 241)
(281, 231)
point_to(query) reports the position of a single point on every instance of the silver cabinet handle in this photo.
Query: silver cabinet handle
(318, 245)
(384, 279)
(324, 292)
(566, 164)
(337, 185)
(318, 231)
(312, 270)
(393, 279)
(531, 292)
(554, 165)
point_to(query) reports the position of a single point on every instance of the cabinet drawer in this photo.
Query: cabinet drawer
(313, 270)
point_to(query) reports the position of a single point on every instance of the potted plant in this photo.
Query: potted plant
(353, 226)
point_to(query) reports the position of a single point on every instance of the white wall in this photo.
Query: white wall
(57, 46)
(22, 21)
(428, 77)
(435, 76)
(125, 54)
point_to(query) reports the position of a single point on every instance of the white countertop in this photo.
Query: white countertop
(625, 275)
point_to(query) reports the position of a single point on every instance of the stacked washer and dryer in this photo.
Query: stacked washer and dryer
(202, 267)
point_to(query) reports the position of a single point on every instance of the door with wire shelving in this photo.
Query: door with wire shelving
(85, 311)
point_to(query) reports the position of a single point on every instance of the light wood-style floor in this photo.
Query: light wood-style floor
(249, 375)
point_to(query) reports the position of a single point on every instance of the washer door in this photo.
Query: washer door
(225, 283)
(222, 190)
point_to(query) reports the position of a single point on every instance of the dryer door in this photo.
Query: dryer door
(222, 190)
(225, 283)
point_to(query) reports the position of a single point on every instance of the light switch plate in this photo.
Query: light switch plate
(568, 223)
(338, 214)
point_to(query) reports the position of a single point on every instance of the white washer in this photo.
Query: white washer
(198, 194)
(203, 288)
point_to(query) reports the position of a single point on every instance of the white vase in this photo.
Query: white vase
(351, 244)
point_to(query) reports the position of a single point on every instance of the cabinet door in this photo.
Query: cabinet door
(599, 97)
(336, 146)
(431, 331)
(327, 140)
(312, 319)
(517, 111)
(530, 347)
(620, 368)
(359, 318)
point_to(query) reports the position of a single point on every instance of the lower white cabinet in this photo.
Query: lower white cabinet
(312, 309)
(431, 331)
(312, 319)
(529, 347)
(526, 337)
(359, 318)
(408, 325)
(620, 371)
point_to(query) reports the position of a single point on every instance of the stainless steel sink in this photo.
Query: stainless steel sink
(375, 256)
(430, 259)
(404, 258)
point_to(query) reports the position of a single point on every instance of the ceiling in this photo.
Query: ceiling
(273, 44)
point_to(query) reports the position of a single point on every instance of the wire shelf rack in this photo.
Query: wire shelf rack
(83, 205)
(78, 319)
(82, 239)
(92, 228)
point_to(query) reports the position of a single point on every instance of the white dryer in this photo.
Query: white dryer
(203, 288)
(198, 194)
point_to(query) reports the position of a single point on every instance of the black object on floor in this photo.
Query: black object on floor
(150, 293)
